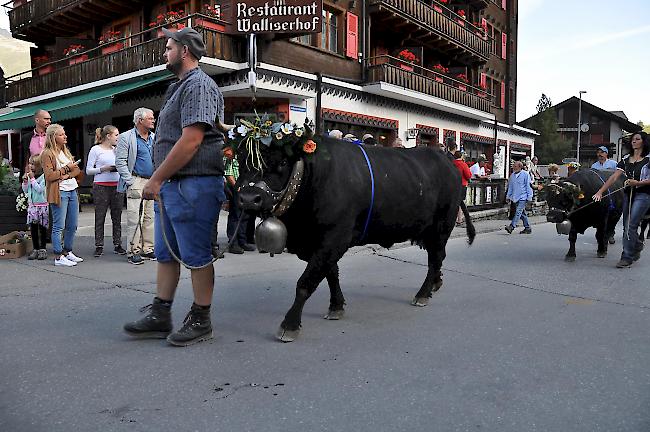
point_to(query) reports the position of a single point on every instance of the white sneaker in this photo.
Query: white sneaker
(74, 258)
(63, 261)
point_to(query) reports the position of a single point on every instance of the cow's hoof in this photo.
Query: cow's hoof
(600, 254)
(420, 301)
(334, 315)
(569, 258)
(284, 335)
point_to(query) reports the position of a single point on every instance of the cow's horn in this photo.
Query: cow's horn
(224, 127)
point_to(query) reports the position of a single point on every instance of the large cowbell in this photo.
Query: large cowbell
(563, 227)
(271, 235)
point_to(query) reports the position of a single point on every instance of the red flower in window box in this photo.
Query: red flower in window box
(462, 78)
(73, 50)
(440, 69)
(461, 13)
(407, 56)
(109, 36)
(169, 18)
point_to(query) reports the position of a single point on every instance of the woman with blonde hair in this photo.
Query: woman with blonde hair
(101, 164)
(61, 186)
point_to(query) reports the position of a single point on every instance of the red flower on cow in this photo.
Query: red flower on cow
(309, 147)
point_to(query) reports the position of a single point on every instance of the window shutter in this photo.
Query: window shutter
(504, 4)
(483, 80)
(504, 45)
(503, 94)
(352, 38)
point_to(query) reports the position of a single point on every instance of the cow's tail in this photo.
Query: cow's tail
(469, 226)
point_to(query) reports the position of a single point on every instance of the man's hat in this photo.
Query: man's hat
(189, 37)
(603, 149)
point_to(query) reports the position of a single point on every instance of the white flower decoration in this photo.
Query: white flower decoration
(298, 132)
(231, 134)
(279, 136)
(242, 130)
(286, 128)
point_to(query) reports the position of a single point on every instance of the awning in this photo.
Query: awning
(75, 106)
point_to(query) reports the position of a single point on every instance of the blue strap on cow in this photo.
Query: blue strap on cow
(372, 196)
(611, 205)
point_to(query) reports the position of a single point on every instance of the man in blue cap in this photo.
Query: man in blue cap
(603, 163)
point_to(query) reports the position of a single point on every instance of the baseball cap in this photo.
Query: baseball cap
(189, 37)
(603, 149)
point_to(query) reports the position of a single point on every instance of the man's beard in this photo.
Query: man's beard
(175, 67)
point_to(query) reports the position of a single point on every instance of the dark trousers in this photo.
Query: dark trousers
(234, 214)
(39, 235)
(106, 197)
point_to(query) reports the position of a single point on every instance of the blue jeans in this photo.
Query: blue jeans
(631, 242)
(64, 220)
(520, 213)
(191, 208)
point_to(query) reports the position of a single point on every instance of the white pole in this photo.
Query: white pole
(579, 125)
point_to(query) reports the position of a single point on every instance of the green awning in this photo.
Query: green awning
(75, 106)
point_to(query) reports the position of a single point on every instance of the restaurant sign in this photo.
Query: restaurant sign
(276, 16)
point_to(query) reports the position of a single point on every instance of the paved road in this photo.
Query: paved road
(516, 340)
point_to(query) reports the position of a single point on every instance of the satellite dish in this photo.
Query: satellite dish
(584, 127)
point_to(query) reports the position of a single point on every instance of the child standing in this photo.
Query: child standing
(37, 210)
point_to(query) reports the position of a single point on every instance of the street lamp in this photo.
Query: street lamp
(579, 124)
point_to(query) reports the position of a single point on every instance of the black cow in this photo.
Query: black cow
(571, 199)
(416, 197)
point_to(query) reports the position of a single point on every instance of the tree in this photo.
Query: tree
(550, 146)
(646, 127)
(544, 103)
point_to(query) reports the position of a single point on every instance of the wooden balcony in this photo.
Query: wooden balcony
(416, 78)
(437, 28)
(40, 20)
(137, 52)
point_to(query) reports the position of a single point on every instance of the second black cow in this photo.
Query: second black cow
(571, 201)
(341, 196)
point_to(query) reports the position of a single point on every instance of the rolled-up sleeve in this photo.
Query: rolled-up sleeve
(200, 104)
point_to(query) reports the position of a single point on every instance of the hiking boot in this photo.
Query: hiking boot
(33, 255)
(248, 247)
(119, 250)
(156, 324)
(526, 231)
(42, 254)
(624, 263)
(149, 255)
(99, 251)
(510, 229)
(135, 260)
(637, 256)
(196, 328)
(236, 249)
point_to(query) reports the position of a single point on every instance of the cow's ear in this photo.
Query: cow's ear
(309, 132)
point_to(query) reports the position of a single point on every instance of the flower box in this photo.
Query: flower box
(437, 9)
(439, 79)
(200, 22)
(482, 94)
(10, 218)
(161, 34)
(461, 22)
(44, 70)
(111, 48)
(14, 245)
(78, 59)
(406, 67)
(462, 87)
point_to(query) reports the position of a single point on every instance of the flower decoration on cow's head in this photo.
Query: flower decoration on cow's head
(262, 131)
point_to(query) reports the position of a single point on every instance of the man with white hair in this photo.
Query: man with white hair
(335, 133)
(134, 163)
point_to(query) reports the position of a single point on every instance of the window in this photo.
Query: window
(328, 38)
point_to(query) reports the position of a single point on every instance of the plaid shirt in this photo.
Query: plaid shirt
(231, 168)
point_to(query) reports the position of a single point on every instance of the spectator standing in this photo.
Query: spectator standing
(552, 172)
(101, 165)
(231, 173)
(603, 163)
(61, 190)
(465, 176)
(189, 180)
(33, 143)
(520, 192)
(478, 169)
(37, 208)
(134, 164)
(571, 168)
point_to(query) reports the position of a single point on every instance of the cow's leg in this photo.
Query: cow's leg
(337, 301)
(601, 238)
(435, 245)
(317, 269)
(571, 254)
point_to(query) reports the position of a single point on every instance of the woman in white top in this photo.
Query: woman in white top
(101, 164)
(60, 171)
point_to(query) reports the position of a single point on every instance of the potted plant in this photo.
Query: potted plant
(74, 52)
(108, 41)
(436, 7)
(409, 58)
(482, 90)
(213, 12)
(169, 20)
(41, 60)
(12, 218)
(439, 69)
(462, 78)
(463, 16)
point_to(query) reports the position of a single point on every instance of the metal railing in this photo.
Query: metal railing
(417, 78)
(485, 194)
(138, 51)
(443, 22)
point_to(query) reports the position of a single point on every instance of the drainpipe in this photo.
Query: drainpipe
(364, 31)
(319, 92)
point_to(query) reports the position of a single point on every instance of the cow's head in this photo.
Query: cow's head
(561, 198)
(270, 163)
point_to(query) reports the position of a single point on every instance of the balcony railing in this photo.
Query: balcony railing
(139, 51)
(442, 22)
(392, 70)
(33, 11)
(485, 194)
